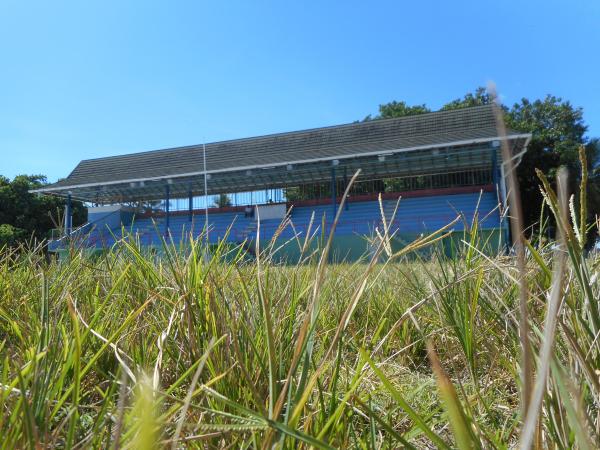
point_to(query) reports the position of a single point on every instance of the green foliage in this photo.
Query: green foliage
(592, 152)
(222, 201)
(478, 98)
(10, 235)
(24, 215)
(398, 109)
(308, 191)
(558, 130)
(294, 193)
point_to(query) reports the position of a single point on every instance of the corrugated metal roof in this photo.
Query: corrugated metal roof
(300, 147)
(444, 140)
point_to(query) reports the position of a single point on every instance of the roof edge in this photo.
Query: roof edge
(285, 133)
(51, 189)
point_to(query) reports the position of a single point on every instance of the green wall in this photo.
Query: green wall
(352, 248)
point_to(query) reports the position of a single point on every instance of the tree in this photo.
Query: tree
(24, 215)
(398, 109)
(11, 236)
(222, 201)
(478, 98)
(558, 130)
(592, 151)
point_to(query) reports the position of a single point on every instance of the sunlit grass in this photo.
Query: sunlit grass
(203, 348)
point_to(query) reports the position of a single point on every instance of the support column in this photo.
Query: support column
(168, 200)
(494, 168)
(345, 187)
(190, 204)
(333, 192)
(498, 183)
(505, 208)
(68, 215)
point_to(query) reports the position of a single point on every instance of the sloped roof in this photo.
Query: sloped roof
(441, 128)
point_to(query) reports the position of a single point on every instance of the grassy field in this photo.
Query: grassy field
(208, 350)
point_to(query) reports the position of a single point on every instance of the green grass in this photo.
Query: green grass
(200, 349)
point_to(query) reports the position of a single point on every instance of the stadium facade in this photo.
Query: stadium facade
(442, 164)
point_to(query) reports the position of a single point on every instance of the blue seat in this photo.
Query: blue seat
(414, 215)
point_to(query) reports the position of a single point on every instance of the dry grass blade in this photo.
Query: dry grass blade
(528, 432)
(186, 404)
(575, 411)
(516, 225)
(458, 421)
(116, 437)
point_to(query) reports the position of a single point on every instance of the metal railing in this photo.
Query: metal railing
(58, 234)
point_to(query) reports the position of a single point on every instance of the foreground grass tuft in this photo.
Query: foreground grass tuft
(201, 348)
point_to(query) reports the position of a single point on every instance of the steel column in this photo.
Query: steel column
(68, 215)
(505, 209)
(346, 187)
(190, 204)
(494, 168)
(168, 200)
(333, 191)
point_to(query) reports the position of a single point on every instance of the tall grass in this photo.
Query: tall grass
(203, 348)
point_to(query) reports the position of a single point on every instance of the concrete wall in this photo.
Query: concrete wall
(112, 216)
(266, 212)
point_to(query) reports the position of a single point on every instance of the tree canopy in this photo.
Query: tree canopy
(24, 215)
(558, 130)
(477, 98)
(398, 109)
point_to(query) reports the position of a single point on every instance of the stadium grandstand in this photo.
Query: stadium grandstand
(442, 164)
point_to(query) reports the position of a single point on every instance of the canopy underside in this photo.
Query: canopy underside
(443, 159)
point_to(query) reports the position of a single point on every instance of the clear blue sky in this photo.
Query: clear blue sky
(84, 79)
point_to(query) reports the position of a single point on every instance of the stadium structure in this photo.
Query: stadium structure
(442, 164)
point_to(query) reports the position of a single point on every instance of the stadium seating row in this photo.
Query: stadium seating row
(414, 215)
